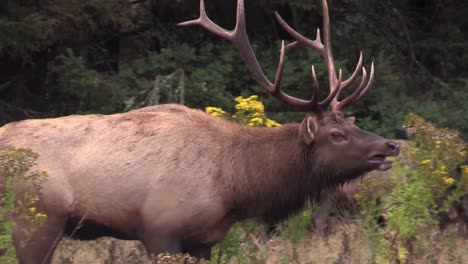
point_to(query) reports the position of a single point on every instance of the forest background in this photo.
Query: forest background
(106, 56)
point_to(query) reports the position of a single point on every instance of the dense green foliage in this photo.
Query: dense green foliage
(64, 57)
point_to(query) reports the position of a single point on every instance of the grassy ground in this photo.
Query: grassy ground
(347, 242)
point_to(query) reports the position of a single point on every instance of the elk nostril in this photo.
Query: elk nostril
(393, 146)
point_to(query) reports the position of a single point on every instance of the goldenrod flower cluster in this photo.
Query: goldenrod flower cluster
(448, 181)
(442, 173)
(438, 151)
(465, 169)
(215, 111)
(249, 104)
(425, 182)
(426, 161)
(402, 254)
(40, 216)
(271, 123)
(249, 111)
(37, 216)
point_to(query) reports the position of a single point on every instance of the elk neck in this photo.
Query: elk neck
(269, 173)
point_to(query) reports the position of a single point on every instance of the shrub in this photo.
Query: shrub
(424, 185)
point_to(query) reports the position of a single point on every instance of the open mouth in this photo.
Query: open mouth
(380, 159)
(381, 162)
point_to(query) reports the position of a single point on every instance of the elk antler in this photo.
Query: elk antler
(238, 37)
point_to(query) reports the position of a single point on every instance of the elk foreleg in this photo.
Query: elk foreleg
(200, 252)
(322, 215)
(157, 243)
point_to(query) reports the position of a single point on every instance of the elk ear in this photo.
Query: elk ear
(309, 128)
(351, 119)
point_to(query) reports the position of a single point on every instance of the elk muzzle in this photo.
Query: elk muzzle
(379, 159)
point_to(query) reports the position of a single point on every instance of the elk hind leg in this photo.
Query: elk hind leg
(39, 246)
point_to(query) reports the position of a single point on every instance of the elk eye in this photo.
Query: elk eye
(338, 137)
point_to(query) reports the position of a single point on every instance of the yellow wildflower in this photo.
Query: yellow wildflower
(250, 111)
(427, 161)
(448, 180)
(271, 123)
(252, 98)
(242, 105)
(357, 196)
(215, 111)
(465, 169)
(443, 169)
(250, 103)
(257, 106)
(32, 210)
(40, 216)
(402, 254)
(256, 120)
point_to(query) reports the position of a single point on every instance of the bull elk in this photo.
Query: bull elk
(176, 179)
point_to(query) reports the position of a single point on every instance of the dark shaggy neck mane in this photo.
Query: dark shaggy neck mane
(271, 174)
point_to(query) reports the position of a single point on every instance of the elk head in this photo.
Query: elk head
(338, 139)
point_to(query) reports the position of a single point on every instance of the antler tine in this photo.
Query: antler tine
(349, 81)
(206, 23)
(353, 76)
(316, 44)
(238, 37)
(359, 92)
(328, 53)
(369, 84)
(279, 71)
(296, 43)
(292, 45)
(339, 106)
(316, 85)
